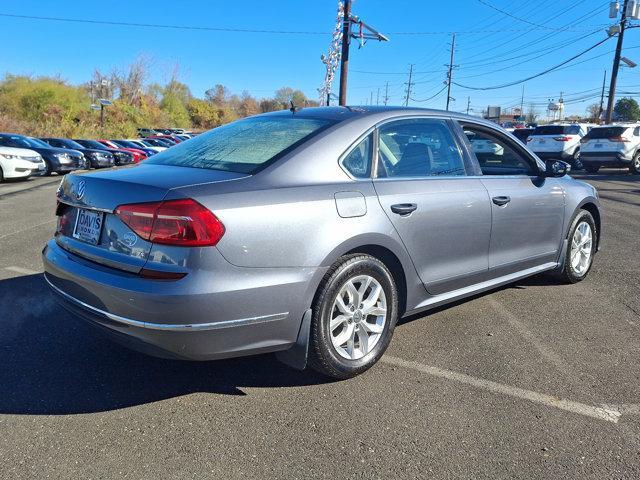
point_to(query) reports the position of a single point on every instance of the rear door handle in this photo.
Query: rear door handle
(500, 201)
(404, 208)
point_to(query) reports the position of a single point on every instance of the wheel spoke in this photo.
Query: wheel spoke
(341, 305)
(351, 342)
(354, 295)
(344, 335)
(363, 288)
(372, 327)
(363, 340)
(337, 321)
(375, 311)
(373, 297)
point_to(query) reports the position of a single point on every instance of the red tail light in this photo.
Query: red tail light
(619, 138)
(562, 139)
(173, 222)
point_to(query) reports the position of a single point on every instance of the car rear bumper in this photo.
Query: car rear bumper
(557, 155)
(605, 158)
(241, 311)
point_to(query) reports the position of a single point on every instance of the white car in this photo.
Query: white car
(140, 142)
(559, 142)
(19, 163)
(616, 145)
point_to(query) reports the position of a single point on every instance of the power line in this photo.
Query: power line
(250, 30)
(495, 87)
(431, 97)
(487, 4)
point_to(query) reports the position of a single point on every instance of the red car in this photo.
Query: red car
(138, 155)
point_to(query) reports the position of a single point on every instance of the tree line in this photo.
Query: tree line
(51, 106)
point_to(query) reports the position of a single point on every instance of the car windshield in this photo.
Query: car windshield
(245, 146)
(557, 130)
(71, 143)
(605, 132)
(30, 142)
(92, 144)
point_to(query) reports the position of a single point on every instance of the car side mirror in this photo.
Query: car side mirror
(556, 168)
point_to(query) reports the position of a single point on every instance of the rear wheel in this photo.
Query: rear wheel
(577, 164)
(592, 168)
(635, 164)
(354, 315)
(581, 249)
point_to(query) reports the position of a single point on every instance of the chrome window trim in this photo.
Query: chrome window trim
(167, 326)
(71, 203)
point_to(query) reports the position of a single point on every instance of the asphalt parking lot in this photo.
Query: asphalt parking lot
(535, 380)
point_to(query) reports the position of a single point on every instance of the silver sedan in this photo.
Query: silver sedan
(311, 232)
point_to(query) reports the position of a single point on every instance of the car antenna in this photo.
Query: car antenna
(293, 108)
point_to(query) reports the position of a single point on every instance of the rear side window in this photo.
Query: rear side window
(358, 161)
(245, 146)
(418, 148)
(605, 132)
(557, 130)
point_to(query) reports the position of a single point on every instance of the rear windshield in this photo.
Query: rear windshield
(557, 130)
(606, 132)
(244, 146)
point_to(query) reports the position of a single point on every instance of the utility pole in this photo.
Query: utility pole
(371, 98)
(522, 101)
(468, 104)
(378, 97)
(344, 57)
(386, 93)
(364, 33)
(450, 73)
(600, 110)
(409, 85)
(616, 64)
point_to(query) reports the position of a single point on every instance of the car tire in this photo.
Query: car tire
(47, 169)
(1, 175)
(635, 164)
(592, 168)
(577, 260)
(575, 159)
(358, 297)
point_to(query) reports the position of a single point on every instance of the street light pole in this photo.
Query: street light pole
(344, 57)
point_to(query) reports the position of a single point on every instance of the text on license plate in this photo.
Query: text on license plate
(88, 226)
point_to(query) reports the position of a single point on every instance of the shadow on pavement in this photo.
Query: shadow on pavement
(52, 364)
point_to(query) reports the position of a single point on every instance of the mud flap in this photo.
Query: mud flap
(296, 356)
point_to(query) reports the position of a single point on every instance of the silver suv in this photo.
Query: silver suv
(612, 146)
(561, 142)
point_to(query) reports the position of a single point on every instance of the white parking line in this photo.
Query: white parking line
(24, 271)
(601, 413)
(28, 228)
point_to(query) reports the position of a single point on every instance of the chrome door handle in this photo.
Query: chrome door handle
(500, 201)
(404, 208)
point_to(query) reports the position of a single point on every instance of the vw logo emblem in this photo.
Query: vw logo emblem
(80, 189)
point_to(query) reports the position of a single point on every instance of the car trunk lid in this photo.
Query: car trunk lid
(87, 225)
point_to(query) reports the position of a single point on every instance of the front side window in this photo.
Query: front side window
(418, 148)
(244, 146)
(358, 161)
(496, 156)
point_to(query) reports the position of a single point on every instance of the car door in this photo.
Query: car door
(527, 209)
(441, 213)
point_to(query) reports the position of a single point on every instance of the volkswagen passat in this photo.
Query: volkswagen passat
(311, 232)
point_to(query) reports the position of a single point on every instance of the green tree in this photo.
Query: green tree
(627, 109)
(175, 110)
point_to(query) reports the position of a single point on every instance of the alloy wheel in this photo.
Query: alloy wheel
(358, 317)
(581, 248)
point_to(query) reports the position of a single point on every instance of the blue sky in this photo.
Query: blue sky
(506, 49)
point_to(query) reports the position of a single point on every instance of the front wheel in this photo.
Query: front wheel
(581, 249)
(592, 169)
(635, 164)
(576, 160)
(354, 315)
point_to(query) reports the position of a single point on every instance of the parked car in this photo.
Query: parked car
(523, 134)
(146, 132)
(120, 156)
(138, 155)
(128, 144)
(141, 143)
(559, 141)
(612, 146)
(169, 138)
(59, 160)
(155, 142)
(19, 163)
(97, 158)
(311, 233)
